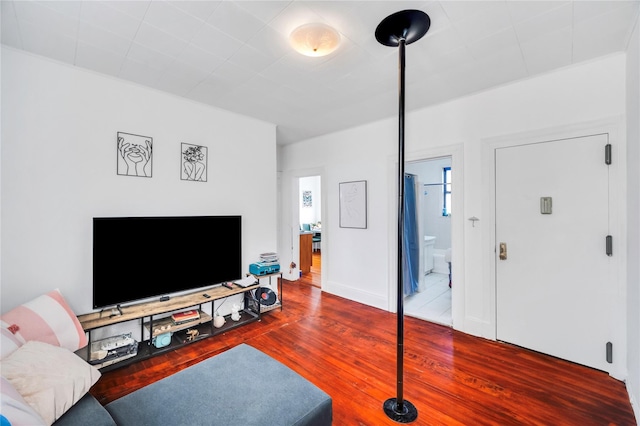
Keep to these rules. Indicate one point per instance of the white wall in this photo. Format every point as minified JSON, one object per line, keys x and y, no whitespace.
{"x":633,"y":214}
{"x":359,"y":263}
{"x":1,"y":127}
{"x":357,"y":257}
{"x":59,"y":127}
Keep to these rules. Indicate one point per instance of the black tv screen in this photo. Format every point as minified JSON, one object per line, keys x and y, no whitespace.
{"x":141,"y":257}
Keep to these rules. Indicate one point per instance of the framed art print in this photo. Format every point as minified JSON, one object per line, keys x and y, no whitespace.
{"x":135,"y":155}
{"x":193,"y":163}
{"x":353,"y":204}
{"x":306,"y":199}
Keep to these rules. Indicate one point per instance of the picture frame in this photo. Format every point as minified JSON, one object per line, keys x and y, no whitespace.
{"x":306,"y":199}
{"x":134,"y":155}
{"x":353,"y":204}
{"x":193,"y":162}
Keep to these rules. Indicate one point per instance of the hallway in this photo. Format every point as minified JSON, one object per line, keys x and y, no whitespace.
{"x":314,"y":276}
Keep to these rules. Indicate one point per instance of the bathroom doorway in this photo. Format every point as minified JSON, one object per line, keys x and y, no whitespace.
{"x":431,"y":300}
{"x":310,"y":217}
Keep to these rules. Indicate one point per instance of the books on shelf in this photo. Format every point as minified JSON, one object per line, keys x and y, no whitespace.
{"x":269,"y":258}
{"x":185,"y":316}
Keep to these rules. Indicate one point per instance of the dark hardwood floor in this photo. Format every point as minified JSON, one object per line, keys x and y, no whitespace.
{"x":349,"y":350}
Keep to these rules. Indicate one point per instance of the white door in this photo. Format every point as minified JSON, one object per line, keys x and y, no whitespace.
{"x":555,"y":287}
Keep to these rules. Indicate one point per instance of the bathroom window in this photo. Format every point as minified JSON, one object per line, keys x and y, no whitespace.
{"x":446,"y":189}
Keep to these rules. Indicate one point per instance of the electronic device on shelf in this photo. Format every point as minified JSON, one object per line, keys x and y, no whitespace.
{"x":113,"y":348}
{"x":159,"y":269}
{"x":113,"y":342}
{"x":186,"y":318}
{"x":263,"y":268}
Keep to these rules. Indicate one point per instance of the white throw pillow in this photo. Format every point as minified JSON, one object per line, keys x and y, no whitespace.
{"x":15,"y":409}
{"x":50,"y":378}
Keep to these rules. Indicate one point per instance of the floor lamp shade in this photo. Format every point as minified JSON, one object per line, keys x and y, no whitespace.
{"x":398,"y":30}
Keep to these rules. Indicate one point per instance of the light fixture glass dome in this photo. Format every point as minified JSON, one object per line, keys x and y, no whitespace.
{"x":315,"y":39}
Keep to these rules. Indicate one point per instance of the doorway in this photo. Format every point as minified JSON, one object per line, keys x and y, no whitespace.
{"x":554,"y":280}
{"x":310,"y":217}
{"x":432,"y":300}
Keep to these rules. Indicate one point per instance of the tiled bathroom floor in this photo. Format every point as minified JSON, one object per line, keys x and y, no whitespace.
{"x":434,"y":303}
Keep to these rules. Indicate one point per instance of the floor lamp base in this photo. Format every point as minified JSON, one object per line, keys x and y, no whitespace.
{"x":407,"y":414}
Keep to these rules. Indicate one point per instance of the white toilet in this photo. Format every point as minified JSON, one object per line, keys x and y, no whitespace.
{"x":429,"y":242}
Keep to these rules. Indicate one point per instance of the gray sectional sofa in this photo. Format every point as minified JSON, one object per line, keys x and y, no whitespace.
{"x":240,"y":387}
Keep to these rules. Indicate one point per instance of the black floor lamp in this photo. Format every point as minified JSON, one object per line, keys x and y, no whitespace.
{"x":398,"y":30}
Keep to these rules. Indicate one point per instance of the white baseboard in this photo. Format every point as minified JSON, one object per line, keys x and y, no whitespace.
{"x":477,"y":327}
{"x":357,"y":295}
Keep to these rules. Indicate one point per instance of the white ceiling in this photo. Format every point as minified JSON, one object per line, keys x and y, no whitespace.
{"x":235,"y":55}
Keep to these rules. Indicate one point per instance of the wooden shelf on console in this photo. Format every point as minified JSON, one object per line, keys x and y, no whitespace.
{"x":264,"y":308}
{"x":164,"y":324}
{"x":104,"y":318}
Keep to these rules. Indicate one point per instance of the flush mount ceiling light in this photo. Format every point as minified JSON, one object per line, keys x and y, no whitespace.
{"x":315,"y":39}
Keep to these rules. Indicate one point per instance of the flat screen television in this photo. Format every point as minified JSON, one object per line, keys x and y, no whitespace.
{"x":136,"y":258}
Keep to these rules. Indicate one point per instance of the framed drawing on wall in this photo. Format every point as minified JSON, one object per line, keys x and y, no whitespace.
{"x":353,"y":204}
{"x":135,"y":155}
{"x":194,"y":162}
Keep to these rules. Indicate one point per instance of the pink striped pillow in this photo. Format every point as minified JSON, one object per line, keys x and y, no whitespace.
{"x":14,"y":408}
{"x":47,"y":318}
{"x":9,"y":342}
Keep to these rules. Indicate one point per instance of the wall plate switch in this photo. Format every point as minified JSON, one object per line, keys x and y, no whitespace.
{"x":545,"y":205}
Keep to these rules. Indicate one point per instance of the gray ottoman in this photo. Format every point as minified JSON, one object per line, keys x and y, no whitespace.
{"x":239,"y":387}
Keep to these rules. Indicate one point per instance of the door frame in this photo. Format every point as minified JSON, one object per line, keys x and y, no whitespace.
{"x":614,"y":129}
{"x":456,"y":152}
{"x":294,"y":225}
